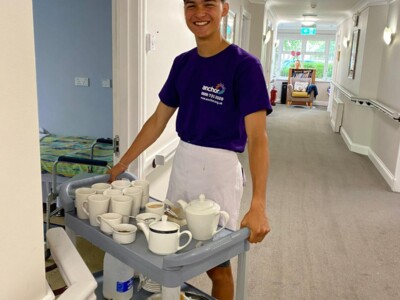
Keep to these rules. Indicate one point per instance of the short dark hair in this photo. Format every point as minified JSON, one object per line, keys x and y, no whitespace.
{"x":223,"y":1}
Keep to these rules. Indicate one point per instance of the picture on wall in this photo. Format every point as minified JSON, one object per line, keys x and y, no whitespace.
{"x":228,"y":26}
{"x":353,"y":53}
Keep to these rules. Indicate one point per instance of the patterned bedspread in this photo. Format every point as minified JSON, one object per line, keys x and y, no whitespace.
{"x":53,"y":146}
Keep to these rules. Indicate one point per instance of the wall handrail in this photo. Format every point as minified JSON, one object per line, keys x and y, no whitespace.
{"x":395,"y":115}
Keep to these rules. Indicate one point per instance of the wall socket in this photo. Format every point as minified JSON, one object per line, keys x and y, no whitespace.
{"x":81,"y":81}
{"x":106,"y":83}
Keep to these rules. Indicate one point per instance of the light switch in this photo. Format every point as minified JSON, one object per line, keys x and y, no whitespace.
{"x":150,"y":42}
{"x":81,"y":81}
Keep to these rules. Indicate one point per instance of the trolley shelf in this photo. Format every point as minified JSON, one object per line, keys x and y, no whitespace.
{"x":171,"y":270}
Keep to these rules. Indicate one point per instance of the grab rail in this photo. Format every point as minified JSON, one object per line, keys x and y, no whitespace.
{"x":370,"y":102}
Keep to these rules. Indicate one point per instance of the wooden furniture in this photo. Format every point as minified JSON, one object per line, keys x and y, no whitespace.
{"x":303,"y":95}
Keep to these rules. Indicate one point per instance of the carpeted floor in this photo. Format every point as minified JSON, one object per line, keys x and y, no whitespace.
{"x":335,"y":223}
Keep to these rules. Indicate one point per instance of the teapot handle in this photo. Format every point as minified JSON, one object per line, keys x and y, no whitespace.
{"x":187,"y":243}
{"x":225,"y":215}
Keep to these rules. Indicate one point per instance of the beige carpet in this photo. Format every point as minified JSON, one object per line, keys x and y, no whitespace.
{"x":335,"y":223}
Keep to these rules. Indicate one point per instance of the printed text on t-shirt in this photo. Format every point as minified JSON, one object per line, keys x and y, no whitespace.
{"x":213,"y":94}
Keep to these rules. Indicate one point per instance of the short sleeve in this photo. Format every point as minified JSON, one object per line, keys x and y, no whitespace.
{"x":169,"y":94}
{"x":251,"y":88}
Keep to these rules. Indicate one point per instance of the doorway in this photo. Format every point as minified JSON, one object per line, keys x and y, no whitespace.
{"x":73,"y":51}
{"x":245,"y":22}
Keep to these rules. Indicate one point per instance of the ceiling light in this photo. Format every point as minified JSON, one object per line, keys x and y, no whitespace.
{"x":307,"y":23}
{"x":387,"y":35}
{"x":308,"y":19}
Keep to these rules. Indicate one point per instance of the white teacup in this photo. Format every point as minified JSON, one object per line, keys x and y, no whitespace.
{"x":136,"y":193}
{"x":122,"y":205}
{"x":120,"y":184}
{"x":155,"y":208}
{"x":95,"y":205}
{"x":81,"y":194}
{"x":100,"y":187}
{"x":107,"y":221}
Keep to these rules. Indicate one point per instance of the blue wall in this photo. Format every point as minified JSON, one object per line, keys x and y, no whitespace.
{"x":73,"y":38}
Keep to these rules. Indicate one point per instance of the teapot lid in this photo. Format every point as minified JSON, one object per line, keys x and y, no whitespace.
{"x":202,"y":205}
{"x":164,"y":226}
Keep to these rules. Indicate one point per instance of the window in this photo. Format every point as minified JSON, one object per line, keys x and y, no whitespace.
{"x":315,"y":52}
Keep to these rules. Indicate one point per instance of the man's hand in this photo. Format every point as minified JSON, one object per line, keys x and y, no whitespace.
{"x":256,"y":220}
{"x":115,"y":171}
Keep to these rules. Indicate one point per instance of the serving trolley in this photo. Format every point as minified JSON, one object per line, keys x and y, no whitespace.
{"x":171,"y":271}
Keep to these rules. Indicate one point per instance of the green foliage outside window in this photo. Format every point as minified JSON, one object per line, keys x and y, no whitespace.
{"x":314,"y":57}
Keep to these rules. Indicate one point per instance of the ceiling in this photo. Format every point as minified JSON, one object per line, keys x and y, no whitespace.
{"x":330,"y":13}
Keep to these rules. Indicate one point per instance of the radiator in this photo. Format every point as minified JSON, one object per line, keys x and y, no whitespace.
{"x":337,"y":114}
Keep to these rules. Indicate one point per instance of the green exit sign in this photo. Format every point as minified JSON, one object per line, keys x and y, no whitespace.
{"x":308,"y":31}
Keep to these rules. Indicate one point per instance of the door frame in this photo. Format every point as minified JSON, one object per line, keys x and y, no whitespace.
{"x":129,"y":73}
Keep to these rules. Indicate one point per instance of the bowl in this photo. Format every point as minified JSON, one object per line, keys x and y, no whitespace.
{"x":124,"y":233}
{"x":147,"y":218}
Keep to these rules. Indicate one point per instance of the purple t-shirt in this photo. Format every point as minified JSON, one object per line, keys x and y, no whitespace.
{"x":214,"y":94}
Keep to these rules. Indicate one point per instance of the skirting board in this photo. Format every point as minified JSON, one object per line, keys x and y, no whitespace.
{"x":353,"y":147}
{"x":385,"y":172}
{"x":378,"y":163}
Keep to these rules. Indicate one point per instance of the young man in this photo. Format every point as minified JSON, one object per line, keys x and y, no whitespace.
{"x":222,"y":99}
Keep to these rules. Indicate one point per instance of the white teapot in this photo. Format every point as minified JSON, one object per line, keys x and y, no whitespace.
{"x":163,"y":236}
{"x":202,"y":217}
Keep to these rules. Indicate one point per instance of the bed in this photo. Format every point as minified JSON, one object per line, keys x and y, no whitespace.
{"x":53,"y":146}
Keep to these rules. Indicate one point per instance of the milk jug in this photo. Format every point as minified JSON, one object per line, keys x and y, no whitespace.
{"x":117,"y":279}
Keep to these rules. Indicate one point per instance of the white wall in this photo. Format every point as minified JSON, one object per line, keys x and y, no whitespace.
{"x":367,"y":130}
{"x":165,"y":21}
{"x":22,"y":274}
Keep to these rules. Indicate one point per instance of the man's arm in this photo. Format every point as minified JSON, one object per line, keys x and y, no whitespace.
{"x":149,"y":133}
{"x":256,"y":218}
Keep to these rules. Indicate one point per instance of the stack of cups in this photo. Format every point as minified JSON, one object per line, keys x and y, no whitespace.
{"x":122,"y":205}
{"x":82,"y":194}
{"x":112,"y":193}
{"x":144,"y":184}
{"x":135,"y":192}
{"x":120,"y":184}
{"x":95,"y":205}
{"x":101,"y":187}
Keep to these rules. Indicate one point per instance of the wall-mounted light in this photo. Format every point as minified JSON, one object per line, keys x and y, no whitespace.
{"x":267,"y":36}
{"x":387,"y":35}
{"x":387,"y":32}
{"x":346,"y":41}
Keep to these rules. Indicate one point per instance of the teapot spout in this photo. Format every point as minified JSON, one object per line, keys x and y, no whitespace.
{"x":145,"y":230}
{"x":182,"y":203}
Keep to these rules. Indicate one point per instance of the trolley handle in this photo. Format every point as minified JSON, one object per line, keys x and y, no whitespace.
{"x":105,"y":141}
{"x":85,"y":161}
{"x":207,"y":250}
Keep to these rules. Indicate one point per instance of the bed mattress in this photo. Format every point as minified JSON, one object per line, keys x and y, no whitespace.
{"x":53,"y":146}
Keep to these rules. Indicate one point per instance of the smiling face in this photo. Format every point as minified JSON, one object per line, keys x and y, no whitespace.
{"x":203,"y":17}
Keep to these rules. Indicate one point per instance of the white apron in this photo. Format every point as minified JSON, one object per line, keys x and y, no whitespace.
{"x":216,"y":173}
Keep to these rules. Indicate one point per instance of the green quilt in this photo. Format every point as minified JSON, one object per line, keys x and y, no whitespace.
{"x":54,"y":146}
